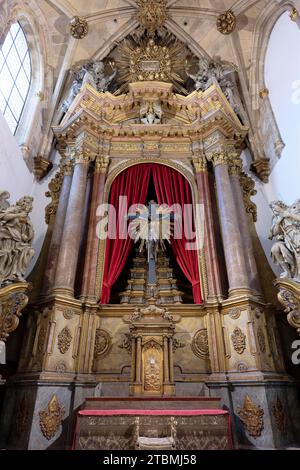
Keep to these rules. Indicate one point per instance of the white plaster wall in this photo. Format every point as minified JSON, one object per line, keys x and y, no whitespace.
{"x":16,"y":178}
{"x":282,"y":78}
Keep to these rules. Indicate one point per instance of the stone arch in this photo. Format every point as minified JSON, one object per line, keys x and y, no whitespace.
{"x":193,"y":185}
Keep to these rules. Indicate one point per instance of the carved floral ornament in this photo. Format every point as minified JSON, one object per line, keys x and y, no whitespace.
{"x":252,"y":417}
{"x":280,"y":416}
{"x":238,"y":340}
{"x":51,"y":418}
{"x":64,"y":340}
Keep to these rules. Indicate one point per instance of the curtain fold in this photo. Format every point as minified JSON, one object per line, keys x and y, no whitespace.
{"x":171,"y":188}
{"x":132,"y":183}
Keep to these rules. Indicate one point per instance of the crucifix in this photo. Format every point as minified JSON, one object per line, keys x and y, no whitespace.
{"x":151,"y":226}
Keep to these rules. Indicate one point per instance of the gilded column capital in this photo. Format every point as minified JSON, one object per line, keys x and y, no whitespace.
{"x":67,"y":167}
{"x":199,"y":162}
{"x":83,"y":157}
{"x":235,"y":167}
{"x":102,"y":163}
{"x":219,"y":158}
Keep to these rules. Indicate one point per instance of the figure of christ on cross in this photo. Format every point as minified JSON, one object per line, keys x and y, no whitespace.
{"x":151,"y":226}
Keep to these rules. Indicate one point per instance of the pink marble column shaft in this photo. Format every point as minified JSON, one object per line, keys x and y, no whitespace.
{"x":53,"y":254}
{"x":232,"y":238}
{"x":252,"y":271}
{"x":88,"y":290}
{"x":70,"y":243}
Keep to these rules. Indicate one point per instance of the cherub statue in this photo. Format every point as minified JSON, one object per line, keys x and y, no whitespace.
{"x":151,"y":113}
{"x":16,"y":235}
{"x":286,"y":230}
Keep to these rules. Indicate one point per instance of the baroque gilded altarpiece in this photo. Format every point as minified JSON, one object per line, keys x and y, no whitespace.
{"x":227,"y":347}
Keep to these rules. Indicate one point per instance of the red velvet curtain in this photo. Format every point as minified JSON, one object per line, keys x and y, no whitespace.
{"x":133,"y":183}
{"x":171,"y":187}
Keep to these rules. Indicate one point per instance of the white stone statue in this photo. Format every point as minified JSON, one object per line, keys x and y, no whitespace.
{"x":216,"y":72}
{"x":286,"y":230}
{"x":16,"y":235}
{"x":91,"y":73}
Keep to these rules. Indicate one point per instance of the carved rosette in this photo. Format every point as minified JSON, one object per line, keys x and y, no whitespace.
{"x":252,"y":416}
{"x":200,"y":345}
{"x":102,"y":343}
{"x":238,"y":340}
{"x":13,"y":300}
{"x":51,"y":418}
{"x":280,"y":416}
{"x":235,"y":313}
{"x":152,"y":14}
{"x":226,"y":22}
{"x":64,"y":340}
{"x":79,"y":27}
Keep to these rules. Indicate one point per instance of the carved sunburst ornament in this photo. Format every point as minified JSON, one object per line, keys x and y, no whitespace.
{"x":152,"y":14}
{"x":148,"y":61}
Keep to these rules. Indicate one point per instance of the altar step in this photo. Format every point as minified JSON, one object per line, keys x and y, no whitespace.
{"x":196,"y":423}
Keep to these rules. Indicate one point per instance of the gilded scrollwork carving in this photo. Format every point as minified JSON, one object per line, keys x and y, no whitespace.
{"x":238,"y":340}
{"x":13,"y":300}
{"x":64,"y":340}
{"x":200,"y":345}
{"x":51,"y":418}
{"x":53,"y":193}
{"x":289,"y":297}
{"x":102,"y":343}
{"x":248,"y":186}
{"x":252,"y":416}
{"x":177,"y":344}
{"x":127,"y":343}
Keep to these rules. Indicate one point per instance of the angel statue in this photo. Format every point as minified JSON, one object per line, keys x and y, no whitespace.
{"x":93,"y":74}
{"x":216,"y":72}
{"x":96,"y":77}
{"x":286,"y":230}
{"x":16,"y":235}
{"x":151,"y":113}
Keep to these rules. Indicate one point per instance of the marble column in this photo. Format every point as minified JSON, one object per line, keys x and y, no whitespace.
{"x":53,"y":254}
{"x":88,"y":290}
{"x":252,"y":271}
{"x":232,"y":238}
{"x":70,"y":243}
{"x":210,"y":245}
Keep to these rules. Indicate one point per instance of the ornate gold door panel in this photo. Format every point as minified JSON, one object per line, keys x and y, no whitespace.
{"x":152,"y":363}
